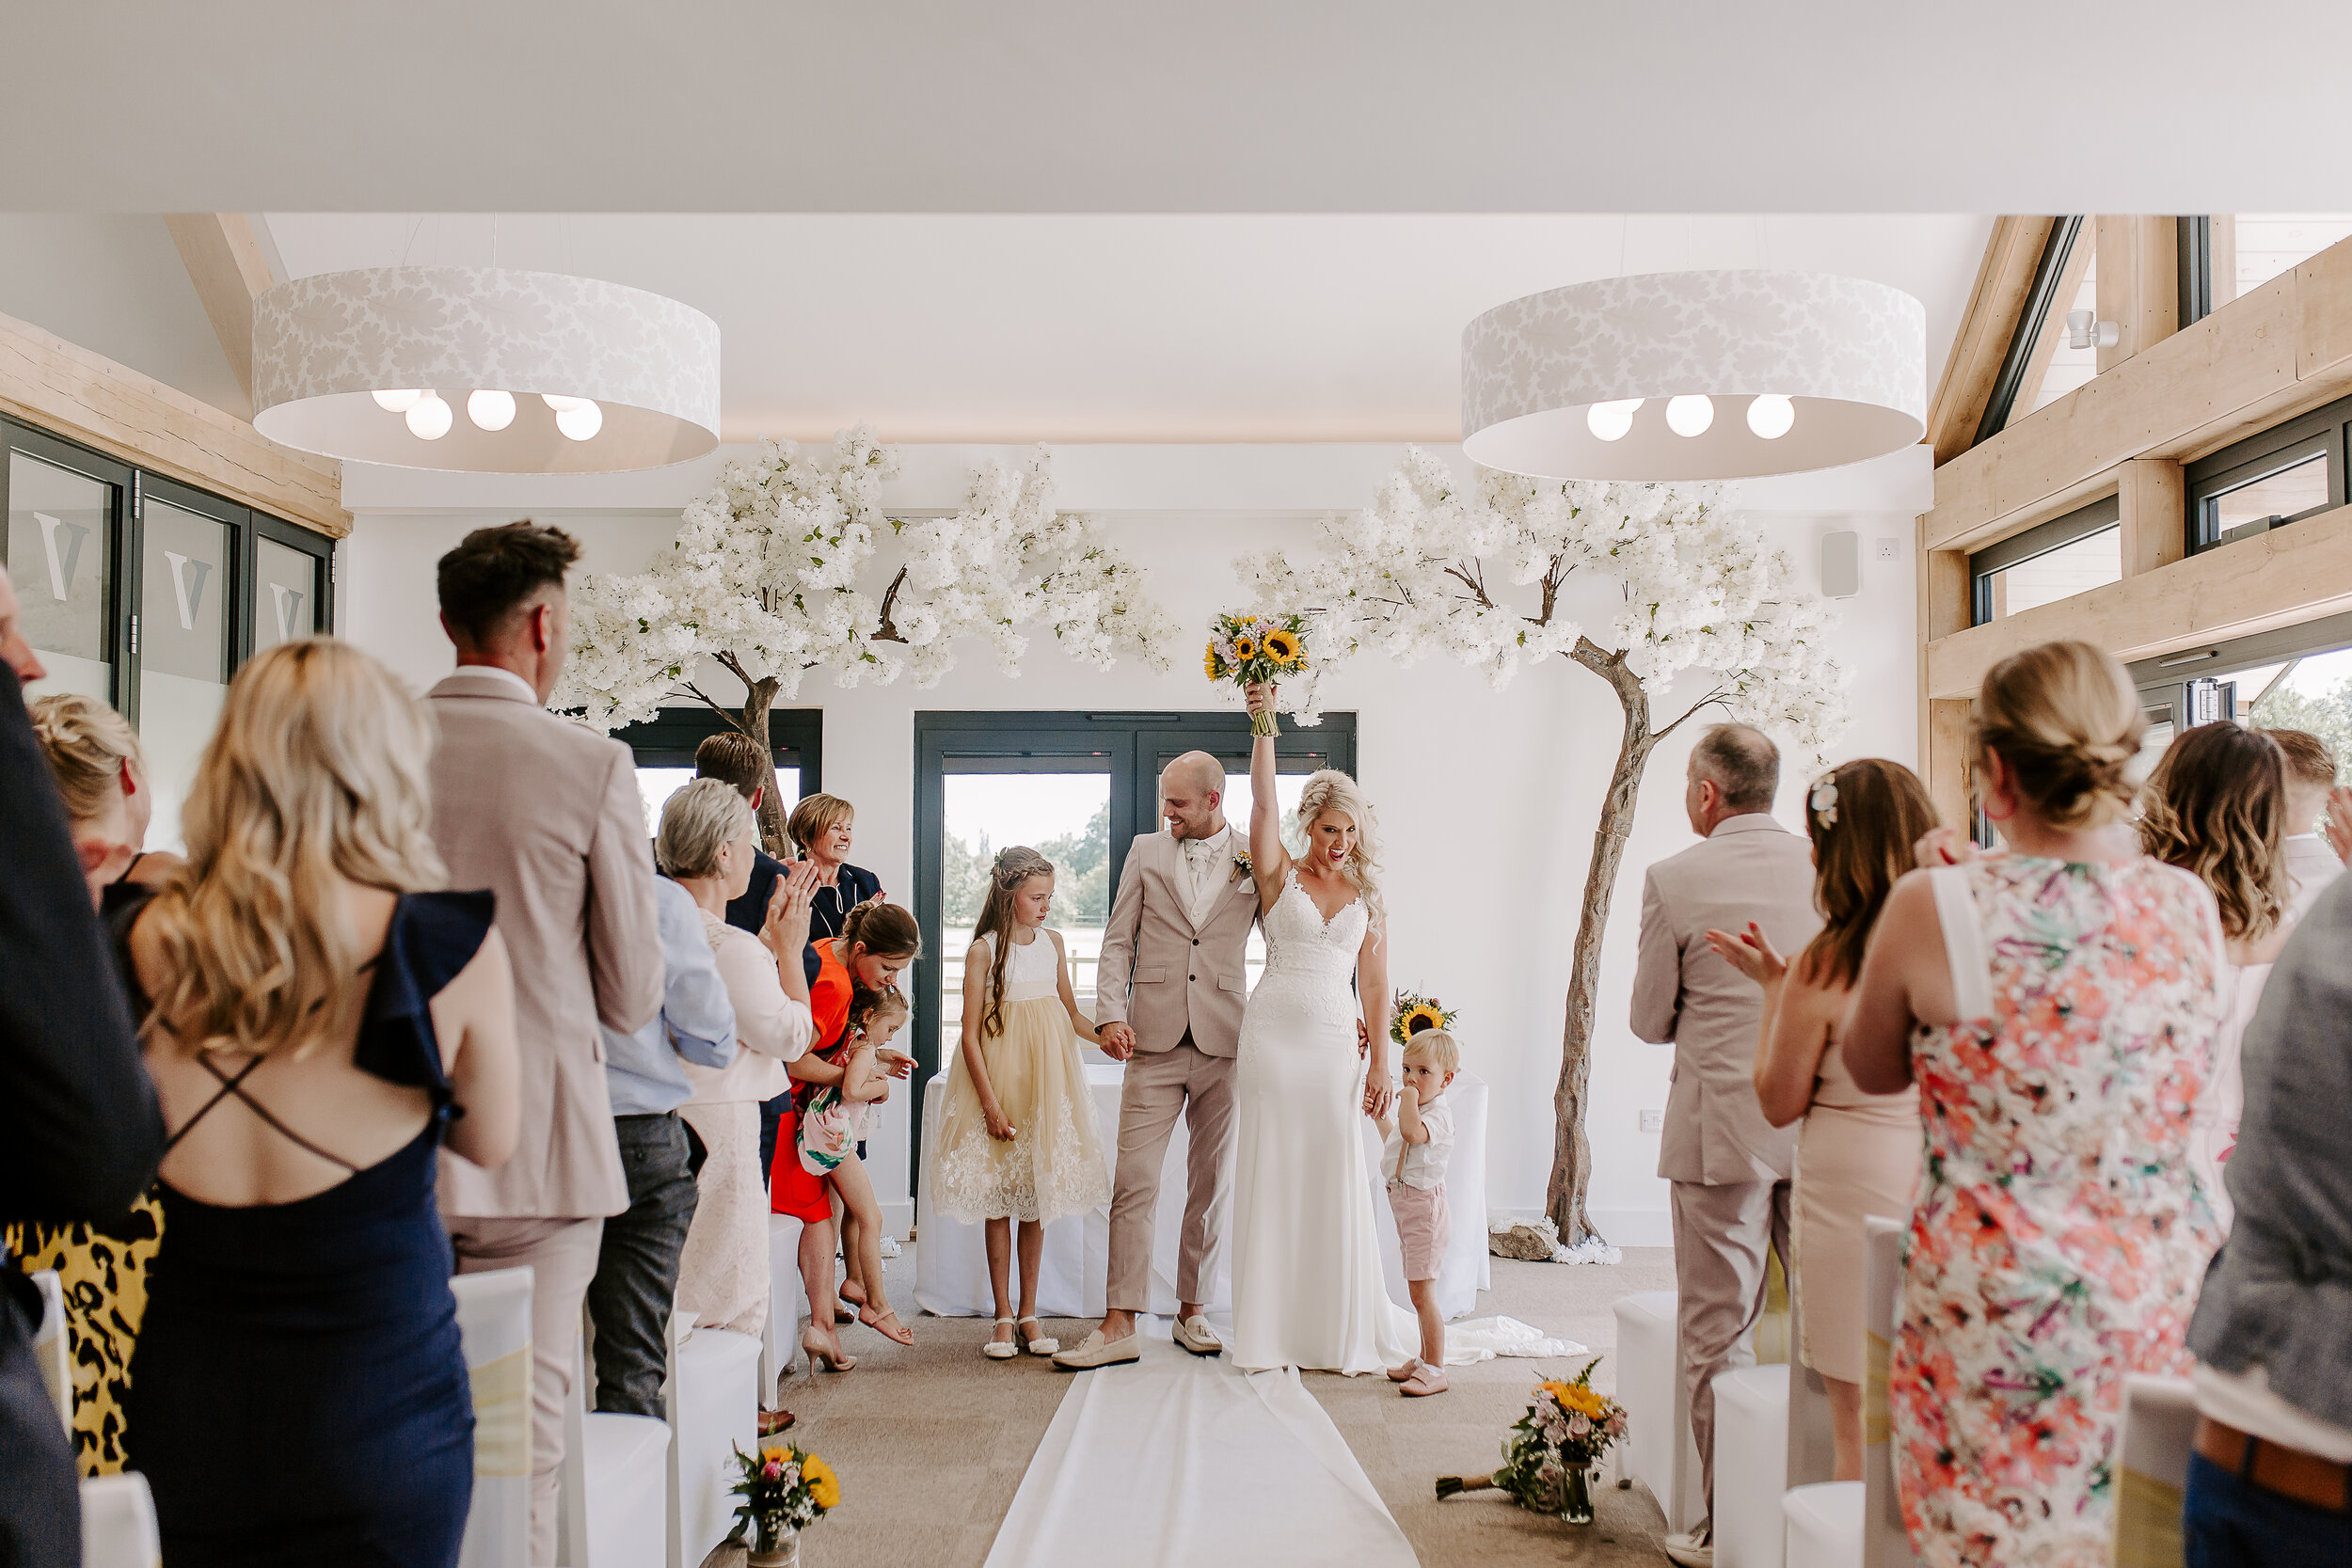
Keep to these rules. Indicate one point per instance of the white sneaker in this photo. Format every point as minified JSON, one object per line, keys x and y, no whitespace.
{"x":1695,"y":1549}
{"x":1095,"y":1350}
{"x":1195,"y":1336}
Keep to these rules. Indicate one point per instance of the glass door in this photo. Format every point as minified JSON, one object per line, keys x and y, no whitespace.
{"x":64,"y":534}
{"x":182,"y":647}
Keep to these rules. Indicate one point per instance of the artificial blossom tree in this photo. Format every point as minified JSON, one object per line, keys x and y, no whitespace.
{"x":1430,"y":568}
{"x":769,"y":579}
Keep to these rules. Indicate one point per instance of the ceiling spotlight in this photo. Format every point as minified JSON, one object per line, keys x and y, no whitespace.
{"x":490,"y":410}
{"x":429,"y":418}
{"x":1689,"y":414}
{"x":1611,"y":421}
{"x":582,"y":421}
{"x":1771,"y":416}
{"x":560,"y":402}
{"x":396,"y":403}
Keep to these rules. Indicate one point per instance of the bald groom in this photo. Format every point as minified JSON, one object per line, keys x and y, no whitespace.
{"x":1169,"y":996}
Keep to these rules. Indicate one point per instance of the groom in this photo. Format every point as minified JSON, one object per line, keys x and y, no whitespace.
{"x":1169,"y":996}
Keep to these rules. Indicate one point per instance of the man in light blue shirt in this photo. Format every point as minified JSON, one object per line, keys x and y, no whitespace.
{"x":637,"y":1268}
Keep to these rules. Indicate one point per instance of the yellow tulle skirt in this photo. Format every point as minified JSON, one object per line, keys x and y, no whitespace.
{"x":1054,"y":1164}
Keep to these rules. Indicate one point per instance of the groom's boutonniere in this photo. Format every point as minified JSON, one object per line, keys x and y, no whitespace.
{"x":1243,"y":866}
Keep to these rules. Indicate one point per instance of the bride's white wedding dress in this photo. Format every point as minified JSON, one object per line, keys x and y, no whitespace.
{"x":1307,"y":1278}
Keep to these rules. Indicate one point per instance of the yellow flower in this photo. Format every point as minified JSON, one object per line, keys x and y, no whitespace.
{"x":1244,"y":648}
{"x":1210,"y":663}
{"x":1282,"y":646}
{"x":823,"y":1485}
{"x":774,"y":1450}
{"x":1414,"y":1014}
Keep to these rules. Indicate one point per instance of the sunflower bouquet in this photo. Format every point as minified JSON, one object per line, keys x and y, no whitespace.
{"x":784,"y":1490}
{"x":1415,"y":1013}
{"x":1548,"y":1452}
{"x":1247,"y":650}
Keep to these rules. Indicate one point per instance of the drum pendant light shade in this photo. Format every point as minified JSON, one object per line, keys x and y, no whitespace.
{"x":1850,"y":355}
{"x":324,"y":346}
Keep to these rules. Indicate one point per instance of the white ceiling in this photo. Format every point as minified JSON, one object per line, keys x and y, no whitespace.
{"x":1169,"y":328}
{"x":1213,"y":105}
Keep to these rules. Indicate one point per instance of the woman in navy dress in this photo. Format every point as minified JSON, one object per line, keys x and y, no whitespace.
{"x":318,"y":1019}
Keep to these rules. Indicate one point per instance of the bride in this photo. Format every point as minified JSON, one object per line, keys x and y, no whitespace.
{"x":1307,"y":1278}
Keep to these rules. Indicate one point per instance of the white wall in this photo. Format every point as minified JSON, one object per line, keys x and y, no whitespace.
{"x":1486,"y":800}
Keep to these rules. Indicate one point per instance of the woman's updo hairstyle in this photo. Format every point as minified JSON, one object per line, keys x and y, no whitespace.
{"x":2066,"y":723}
{"x":86,"y":743}
{"x":884,"y":930}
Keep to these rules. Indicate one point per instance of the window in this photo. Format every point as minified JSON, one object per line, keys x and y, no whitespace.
{"x":2040,"y":366}
{"x":2251,"y":249}
{"x":2053,"y":561}
{"x":2294,"y":679}
{"x":149,"y":593}
{"x":1078,"y":787}
{"x":664,"y":748}
{"x":2280,"y":476}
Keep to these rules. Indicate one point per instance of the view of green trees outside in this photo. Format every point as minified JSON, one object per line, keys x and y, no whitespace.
{"x":1082,"y":875}
{"x":2327,"y":713}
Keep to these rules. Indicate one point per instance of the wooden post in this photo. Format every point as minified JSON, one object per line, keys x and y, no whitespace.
{"x":1947,"y":777}
{"x":2154,"y":496}
{"x":2139,"y":283}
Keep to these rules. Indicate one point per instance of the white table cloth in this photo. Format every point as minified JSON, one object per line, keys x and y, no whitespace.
{"x":951,"y":1260}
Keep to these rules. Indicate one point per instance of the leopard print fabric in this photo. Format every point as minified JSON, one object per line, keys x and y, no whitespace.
{"x":102,"y":1271}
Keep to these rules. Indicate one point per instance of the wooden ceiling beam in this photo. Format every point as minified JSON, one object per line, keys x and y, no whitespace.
{"x":2004,"y":278}
{"x":226,"y":263}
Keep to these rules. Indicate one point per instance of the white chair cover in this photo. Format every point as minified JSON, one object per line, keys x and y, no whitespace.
{"x":615,"y":1485}
{"x":713,"y":1396}
{"x":1823,"y":1525}
{"x":494,"y":1322}
{"x":1751,"y":1465}
{"x":1659,"y":1452}
{"x":1884,"y":1543}
{"x":119,"y":1523}
{"x":780,"y":1342}
{"x":50,"y":1347}
{"x":2152,"y":1470}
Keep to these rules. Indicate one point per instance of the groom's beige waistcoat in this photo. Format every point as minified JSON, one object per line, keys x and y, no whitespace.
{"x":1164,"y":973}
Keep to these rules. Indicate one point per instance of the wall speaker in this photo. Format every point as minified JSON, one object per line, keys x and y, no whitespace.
{"x":1841,"y":565}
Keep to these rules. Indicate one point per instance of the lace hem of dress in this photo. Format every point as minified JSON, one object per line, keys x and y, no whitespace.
{"x":973,"y":1181}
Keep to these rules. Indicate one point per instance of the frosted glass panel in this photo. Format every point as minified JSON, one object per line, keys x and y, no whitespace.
{"x":59,"y":524}
{"x":285,"y":594}
{"x":183,"y":651}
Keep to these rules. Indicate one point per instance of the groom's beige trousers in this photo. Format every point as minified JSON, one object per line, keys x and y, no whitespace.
{"x":1160,"y":1085}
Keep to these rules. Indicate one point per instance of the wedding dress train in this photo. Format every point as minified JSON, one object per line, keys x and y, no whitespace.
{"x":1307,"y":1276}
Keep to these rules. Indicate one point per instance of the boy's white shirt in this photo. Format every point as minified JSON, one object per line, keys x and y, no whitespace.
{"x":1421,"y":1165}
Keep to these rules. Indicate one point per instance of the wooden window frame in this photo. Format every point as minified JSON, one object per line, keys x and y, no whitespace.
{"x":2038,"y":541}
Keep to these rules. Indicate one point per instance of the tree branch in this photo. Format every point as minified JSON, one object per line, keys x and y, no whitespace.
{"x":1718,"y":695}
{"x":888,"y":630}
{"x":1473,"y":584}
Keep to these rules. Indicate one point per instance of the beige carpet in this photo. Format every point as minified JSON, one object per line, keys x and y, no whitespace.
{"x":930,"y":1442}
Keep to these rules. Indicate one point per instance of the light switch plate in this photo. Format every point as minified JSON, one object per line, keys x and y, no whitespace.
{"x":1653,"y":1121}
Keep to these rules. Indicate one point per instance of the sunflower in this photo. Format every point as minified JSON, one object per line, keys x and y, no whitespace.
{"x":824,"y":1488}
{"x":1210,"y":663}
{"x":1280,"y":646}
{"x":1422,"y":1016}
{"x":1244,"y":648}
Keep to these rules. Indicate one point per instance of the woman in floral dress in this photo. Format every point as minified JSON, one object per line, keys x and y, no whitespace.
{"x":2056,"y":1005}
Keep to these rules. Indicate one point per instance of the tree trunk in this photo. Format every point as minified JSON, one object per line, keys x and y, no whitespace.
{"x":758,"y":696}
{"x":1572,"y":1154}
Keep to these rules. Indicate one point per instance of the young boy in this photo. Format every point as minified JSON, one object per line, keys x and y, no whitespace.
{"x":1414,"y":1159}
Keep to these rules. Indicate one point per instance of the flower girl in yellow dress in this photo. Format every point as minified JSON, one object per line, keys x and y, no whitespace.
{"x":1017,"y":1141}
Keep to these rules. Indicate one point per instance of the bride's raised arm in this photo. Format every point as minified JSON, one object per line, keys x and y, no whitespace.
{"x":1269,"y":863}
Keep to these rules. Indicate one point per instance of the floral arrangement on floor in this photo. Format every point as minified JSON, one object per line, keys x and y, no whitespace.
{"x":1548,"y":1452}
{"x":1249,"y":649}
{"x":785,"y":1489}
{"x":1416,"y":1012}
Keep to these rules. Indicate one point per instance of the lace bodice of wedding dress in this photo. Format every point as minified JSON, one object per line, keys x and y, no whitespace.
{"x":1301,"y":945}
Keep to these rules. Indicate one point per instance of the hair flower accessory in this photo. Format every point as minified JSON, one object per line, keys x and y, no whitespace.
{"x":1825,"y":801}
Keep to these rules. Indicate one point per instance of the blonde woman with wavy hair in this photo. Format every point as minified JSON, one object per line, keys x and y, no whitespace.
{"x":318,"y":1019}
{"x":1312,"y":1063}
{"x":2215,"y":805}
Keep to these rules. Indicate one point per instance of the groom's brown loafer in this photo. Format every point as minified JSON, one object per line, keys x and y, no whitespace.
{"x":1095,"y":1350}
{"x":1195,"y":1336}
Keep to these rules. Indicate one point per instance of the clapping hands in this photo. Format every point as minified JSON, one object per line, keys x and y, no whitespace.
{"x":786,"y":929}
{"x":1751,"y":953}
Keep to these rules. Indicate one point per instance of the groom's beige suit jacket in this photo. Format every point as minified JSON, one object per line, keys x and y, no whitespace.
{"x":1166,"y":973}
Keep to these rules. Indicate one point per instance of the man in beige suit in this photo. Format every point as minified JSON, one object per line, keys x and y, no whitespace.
{"x":547,"y":815}
{"x":1169,"y":996}
{"x":1728,"y":1165}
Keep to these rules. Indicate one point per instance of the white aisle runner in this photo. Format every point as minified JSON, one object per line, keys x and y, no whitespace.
{"x":1182,"y":1461}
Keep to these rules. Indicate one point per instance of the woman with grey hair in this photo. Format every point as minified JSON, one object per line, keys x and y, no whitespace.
{"x":708,"y":846}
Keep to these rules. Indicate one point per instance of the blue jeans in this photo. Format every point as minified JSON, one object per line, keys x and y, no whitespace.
{"x":2229,"y":1523}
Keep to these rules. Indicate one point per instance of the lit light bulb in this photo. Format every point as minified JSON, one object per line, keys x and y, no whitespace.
{"x":558,"y":402}
{"x":429,"y":418}
{"x":582,"y":421}
{"x":1771,"y":416}
{"x":490,"y":410}
{"x":1689,"y":414}
{"x":1611,"y":421}
{"x":397,"y":402}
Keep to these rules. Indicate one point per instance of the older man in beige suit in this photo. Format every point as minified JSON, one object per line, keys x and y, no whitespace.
{"x":1168,"y":997}
{"x":1729,"y":1166}
{"x":547,"y":815}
